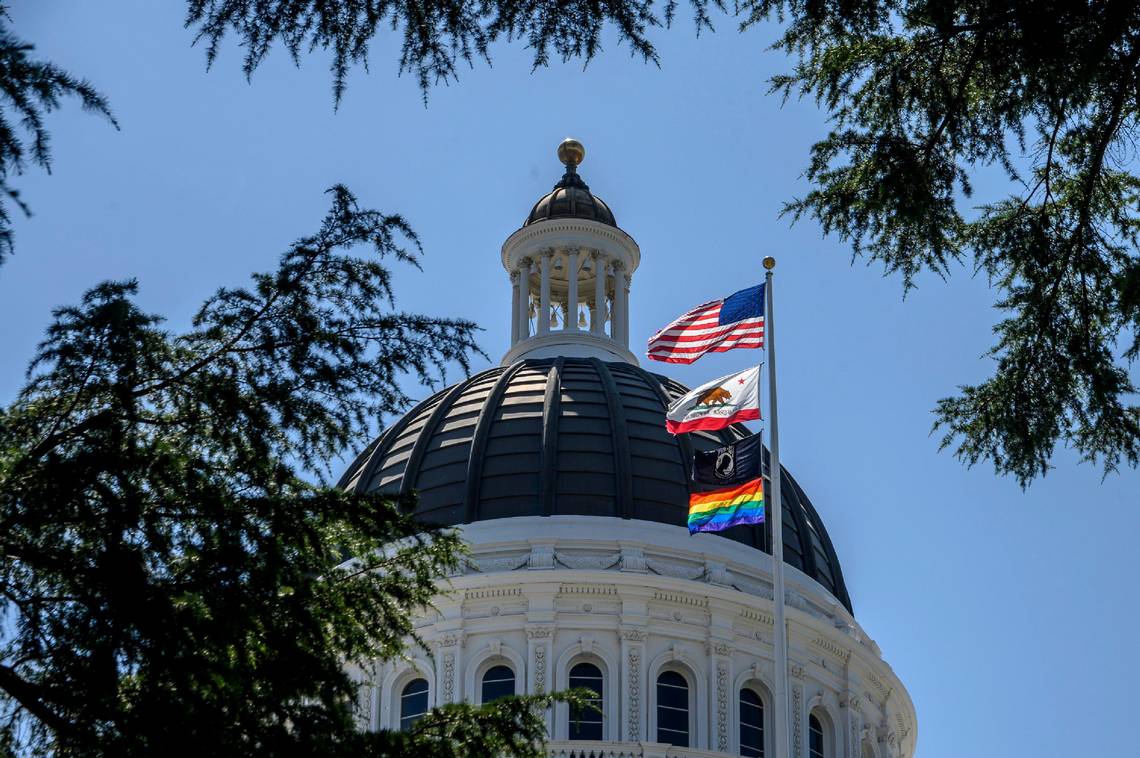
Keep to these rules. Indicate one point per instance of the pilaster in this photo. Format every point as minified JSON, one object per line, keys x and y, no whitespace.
{"x":633,"y":718}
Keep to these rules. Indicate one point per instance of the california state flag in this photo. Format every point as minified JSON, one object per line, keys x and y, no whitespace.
{"x":717,"y":404}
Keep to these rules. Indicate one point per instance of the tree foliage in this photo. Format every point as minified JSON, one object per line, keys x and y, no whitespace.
{"x":171,"y":582}
{"x":29,"y":90}
{"x":437,"y":37}
{"x":924,"y":93}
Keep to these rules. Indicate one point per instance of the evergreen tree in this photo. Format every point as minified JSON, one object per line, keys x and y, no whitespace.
{"x":171,"y":581}
{"x":921,"y":93}
{"x":29,"y":90}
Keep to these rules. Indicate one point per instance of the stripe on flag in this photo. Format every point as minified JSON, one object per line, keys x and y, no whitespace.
{"x":737,"y":321}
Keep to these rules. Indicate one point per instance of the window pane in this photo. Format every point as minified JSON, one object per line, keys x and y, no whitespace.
{"x":815,"y":737}
{"x":751,"y":725}
{"x":586,"y":723}
{"x":673,"y":709}
{"x":499,"y":681}
{"x":413,"y":703}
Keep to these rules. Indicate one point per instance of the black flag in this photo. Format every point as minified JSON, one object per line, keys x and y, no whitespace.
{"x":733,"y":464}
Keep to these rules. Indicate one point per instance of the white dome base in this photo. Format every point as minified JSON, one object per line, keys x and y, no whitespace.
{"x":540,"y":594}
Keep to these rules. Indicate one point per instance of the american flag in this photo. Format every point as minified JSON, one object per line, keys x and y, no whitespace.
{"x":714,"y":327}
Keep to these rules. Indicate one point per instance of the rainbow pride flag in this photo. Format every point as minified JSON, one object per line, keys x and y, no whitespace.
{"x":731,"y":506}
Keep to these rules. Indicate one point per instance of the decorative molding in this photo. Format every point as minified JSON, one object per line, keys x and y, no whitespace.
{"x":365,"y":701}
{"x":720,"y":648}
{"x":796,"y":670}
{"x":539,"y":632}
{"x":634,"y":635}
{"x":675,"y":571}
{"x":587,"y":589}
{"x":758,"y":589}
{"x":448,"y":695}
{"x":680,"y":599}
{"x":451,"y":639}
{"x":595,"y":563}
{"x":485,"y":593}
{"x":634,"y":719}
{"x":883,"y":689}
{"x":797,"y":719}
{"x":717,"y":573}
{"x":838,"y":651}
{"x":539,"y":668}
{"x":509,"y":563}
{"x":541,"y":557}
{"x":762,"y":617}
{"x":633,"y":559}
{"x":722,"y":706}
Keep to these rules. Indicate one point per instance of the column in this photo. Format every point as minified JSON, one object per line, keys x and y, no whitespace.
{"x":620,"y":326}
{"x":598,"y":318}
{"x":544,"y":293}
{"x":624,"y":281}
{"x":515,"y":306}
{"x":524,"y":299}
{"x":572,"y":291}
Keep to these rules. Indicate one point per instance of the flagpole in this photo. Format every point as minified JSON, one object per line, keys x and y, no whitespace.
{"x":781,"y":715}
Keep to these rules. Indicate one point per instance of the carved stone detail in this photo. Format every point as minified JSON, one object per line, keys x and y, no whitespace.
{"x":540,"y":670}
{"x":451,"y":640}
{"x":720,"y":648}
{"x":634,"y":635}
{"x":634,"y":692}
{"x":722,"y":707}
{"x":539,"y":632}
{"x":509,"y":563}
{"x":633,"y":559}
{"x":541,"y":557}
{"x":717,"y":573}
{"x":593,"y":562}
{"x":448,"y":695}
{"x":797,"y":719}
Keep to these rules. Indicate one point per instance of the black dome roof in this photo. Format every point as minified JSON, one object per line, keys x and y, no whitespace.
{"x":567,"y":436}
{"x":571,"y":198}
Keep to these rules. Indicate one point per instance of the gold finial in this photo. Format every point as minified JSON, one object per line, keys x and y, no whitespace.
{"x":571,"y":152}
{"x":769,"y":262}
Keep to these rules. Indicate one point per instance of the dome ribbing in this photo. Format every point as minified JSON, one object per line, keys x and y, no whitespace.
{"x":567,"y":436}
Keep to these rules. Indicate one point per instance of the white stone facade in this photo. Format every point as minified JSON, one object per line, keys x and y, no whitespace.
{"x":634,"y":598}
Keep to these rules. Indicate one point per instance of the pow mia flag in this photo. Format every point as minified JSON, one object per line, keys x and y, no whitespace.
{"x":733,"y":464}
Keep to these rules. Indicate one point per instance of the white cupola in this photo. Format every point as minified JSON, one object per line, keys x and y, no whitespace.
{"x":570,"y":267}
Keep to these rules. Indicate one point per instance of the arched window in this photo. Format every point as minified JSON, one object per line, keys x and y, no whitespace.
{"x":672,"y":709}
{"x":586,"y":723}
{"x":499,"y":681}
{"x":413,"y":703}
{"x":751,"y":724}
{"x":815,"y":737}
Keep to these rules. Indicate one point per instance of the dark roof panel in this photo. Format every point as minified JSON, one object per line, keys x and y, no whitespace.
{"x":568,"y":436}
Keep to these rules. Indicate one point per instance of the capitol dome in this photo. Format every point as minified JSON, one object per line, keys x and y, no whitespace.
{"x":557,"y":470}
{"x":567,"y":436}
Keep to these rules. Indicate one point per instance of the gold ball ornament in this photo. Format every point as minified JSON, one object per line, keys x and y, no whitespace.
{"x":769,"y":262}
{"x":571,"y":152}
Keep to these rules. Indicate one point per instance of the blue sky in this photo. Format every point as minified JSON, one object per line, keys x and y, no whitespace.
{"x":1009,"y":615}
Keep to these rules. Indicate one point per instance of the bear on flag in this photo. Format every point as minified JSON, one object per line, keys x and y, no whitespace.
{"x":717,"y":404}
